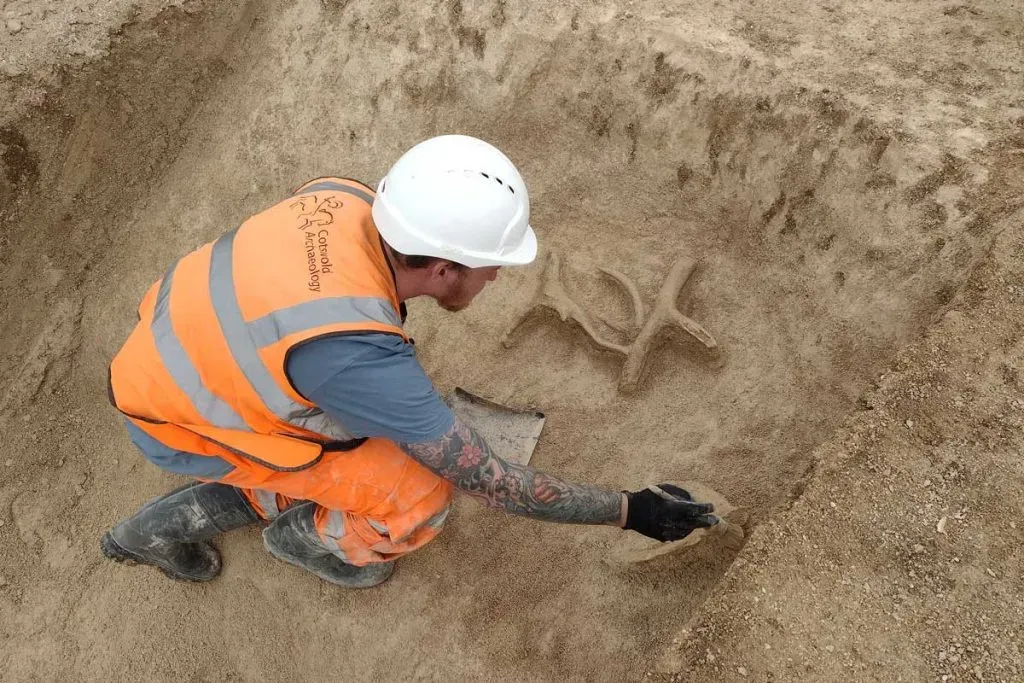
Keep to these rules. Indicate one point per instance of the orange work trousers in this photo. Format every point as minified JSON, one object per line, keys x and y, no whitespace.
{"x":375,"y":503}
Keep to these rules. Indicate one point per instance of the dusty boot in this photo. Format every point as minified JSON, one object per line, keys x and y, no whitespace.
{"x":293,"y":537}
{"x":172,"y":532}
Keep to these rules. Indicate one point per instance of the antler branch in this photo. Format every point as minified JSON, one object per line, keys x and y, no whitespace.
{"x":665,"y":314}
{"x":552,"y":296}
{"x":634,"y":298}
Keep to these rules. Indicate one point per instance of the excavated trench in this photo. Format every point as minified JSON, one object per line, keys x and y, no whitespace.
{"x":823,"y":241}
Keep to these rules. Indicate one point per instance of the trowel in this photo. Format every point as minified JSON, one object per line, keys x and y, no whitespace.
{"x":511,"y":432}
{"x":727,"y":533}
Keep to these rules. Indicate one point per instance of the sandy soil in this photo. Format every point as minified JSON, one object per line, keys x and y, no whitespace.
{"x":847,"y":177}
{"x":903,"y":557}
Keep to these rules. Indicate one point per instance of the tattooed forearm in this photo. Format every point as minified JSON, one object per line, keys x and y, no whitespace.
{"x":462,"y":457}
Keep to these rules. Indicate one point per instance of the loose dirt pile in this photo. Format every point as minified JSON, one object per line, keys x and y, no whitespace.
{"x":836,"y":177}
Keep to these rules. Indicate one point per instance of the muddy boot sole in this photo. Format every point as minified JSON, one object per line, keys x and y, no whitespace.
{"x":114,"y":551}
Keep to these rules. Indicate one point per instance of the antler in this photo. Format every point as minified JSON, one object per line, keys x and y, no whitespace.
{"x":551,"y":295}
{"x":665,"y":314}
{"x":634,"y":297}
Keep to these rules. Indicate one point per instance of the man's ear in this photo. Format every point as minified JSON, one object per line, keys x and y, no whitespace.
{"x":440,"y":269}
{"x":446,"y":269}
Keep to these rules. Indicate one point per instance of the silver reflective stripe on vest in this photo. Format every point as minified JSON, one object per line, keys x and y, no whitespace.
{"x":229,"y":315}
{"x":180,"y":366}
{"x":244,"y":339}
{"x":338,"y":187}
{"x":268,"y":501}
{"x":277,"y":325}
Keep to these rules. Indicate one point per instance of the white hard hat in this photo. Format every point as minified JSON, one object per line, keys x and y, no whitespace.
{"x":456,"y":198}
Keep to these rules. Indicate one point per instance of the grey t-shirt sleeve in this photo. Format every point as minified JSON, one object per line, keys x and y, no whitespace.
{"x":373,"y":385}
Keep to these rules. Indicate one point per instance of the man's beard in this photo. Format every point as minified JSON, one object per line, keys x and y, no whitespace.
{"x":453,"y":306}
{"x":457,"y":299}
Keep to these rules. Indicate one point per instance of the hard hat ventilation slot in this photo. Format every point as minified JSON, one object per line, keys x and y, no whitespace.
{"x":499,"y":181}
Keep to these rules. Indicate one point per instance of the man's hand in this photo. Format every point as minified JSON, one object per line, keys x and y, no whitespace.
{"x":462,"y":457}
{"x":667,"y":513}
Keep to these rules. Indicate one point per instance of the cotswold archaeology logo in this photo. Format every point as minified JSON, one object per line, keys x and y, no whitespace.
{"x":318,"y":259}
{"x":314,"y":216}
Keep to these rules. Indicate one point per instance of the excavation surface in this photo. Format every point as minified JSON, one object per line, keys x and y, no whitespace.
{"x":824,"y":183}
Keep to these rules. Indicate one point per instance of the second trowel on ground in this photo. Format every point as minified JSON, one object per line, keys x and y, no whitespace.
{"x":511,"y":432}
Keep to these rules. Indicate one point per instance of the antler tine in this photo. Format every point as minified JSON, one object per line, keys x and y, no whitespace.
{"x":634,"y":298}
{"x":694,"y":329}
{"x":677,"y":277}
{"x":579,"y":318}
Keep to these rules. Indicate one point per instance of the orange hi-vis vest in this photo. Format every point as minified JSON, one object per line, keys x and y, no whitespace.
{"x":204,"y":370}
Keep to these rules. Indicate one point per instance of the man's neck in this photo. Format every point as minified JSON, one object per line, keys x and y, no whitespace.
{"x":407,"y":284}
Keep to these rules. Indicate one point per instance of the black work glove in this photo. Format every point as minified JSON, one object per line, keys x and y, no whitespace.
{"x":666,"y":517}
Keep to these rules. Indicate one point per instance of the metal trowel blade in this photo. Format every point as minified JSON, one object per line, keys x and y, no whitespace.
{"x":511,"y":432}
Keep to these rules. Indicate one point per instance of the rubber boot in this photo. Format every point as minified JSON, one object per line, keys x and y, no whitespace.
{"x":293,"y":537}
{"x":172,"y":532}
